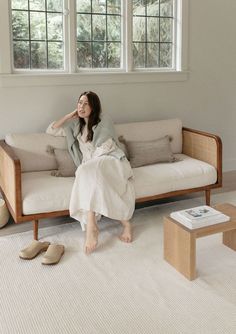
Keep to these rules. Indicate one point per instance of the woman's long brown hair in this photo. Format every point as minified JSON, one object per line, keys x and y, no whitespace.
{"x":94,"y":118}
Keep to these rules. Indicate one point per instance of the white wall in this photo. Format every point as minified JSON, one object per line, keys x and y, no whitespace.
{"x":206,"y":100}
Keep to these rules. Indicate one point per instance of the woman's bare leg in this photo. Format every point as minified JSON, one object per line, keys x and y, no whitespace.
{"x":91,"y":233}
{"x":126,"y":235}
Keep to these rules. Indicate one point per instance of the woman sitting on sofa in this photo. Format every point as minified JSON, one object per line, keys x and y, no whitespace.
{"x":103,"y":180}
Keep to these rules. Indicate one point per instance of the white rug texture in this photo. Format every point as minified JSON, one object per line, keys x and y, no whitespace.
{"x":121,"y":288}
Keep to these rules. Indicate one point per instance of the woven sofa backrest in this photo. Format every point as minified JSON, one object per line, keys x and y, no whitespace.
{"x":143,"y":131}
{"x":31,"y":149}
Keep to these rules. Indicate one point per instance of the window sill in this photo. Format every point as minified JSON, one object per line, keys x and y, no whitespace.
{"x":65,"y":79}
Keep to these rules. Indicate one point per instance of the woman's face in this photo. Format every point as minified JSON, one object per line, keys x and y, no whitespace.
{"x":83,"y":107}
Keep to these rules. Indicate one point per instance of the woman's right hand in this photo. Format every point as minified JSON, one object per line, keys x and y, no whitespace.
{"x":72,"y":115}
{"x":67,"y":117}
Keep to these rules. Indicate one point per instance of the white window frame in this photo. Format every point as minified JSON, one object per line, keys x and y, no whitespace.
{"x":70,"y":75}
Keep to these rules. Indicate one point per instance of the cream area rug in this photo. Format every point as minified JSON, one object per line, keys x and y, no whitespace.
{"x":121,"y":288}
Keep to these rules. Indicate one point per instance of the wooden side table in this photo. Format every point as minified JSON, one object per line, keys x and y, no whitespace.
{"x":180,"y":242}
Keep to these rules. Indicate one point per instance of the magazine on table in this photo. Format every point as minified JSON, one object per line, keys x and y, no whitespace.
{"x":199,"y":216}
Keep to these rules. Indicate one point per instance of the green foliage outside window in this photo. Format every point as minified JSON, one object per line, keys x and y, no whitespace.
{"x":98,"y":33}
{"x":37,"y":30}
{"x":152,"y":33}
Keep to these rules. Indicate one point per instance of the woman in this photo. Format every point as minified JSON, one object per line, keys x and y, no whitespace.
{"x":104,"y":179}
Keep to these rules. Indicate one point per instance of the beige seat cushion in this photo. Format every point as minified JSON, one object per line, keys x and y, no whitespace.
{"x":186,"y":173}
{"x":42,"y":192}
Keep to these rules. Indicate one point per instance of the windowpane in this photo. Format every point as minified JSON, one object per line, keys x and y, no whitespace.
{"x":55,"y":55}
{"x":165,"y":55}
{"x":139,"y":54}
{"x":153,"y":8}
{"x":152,"y":29}
{"x":98,"y":6}
{"x":113,"y":28}
{"x":37,"y":4}
{"x":38,"y":55}
{"x":20,"y":25}
{"x":84,"y":54}
{"x":55,"y":26}
{"x":84,"y":27}
{"x":21,"y":54}
{"x":99,"y":27}
{"x":166,"y":30}
{"x":55,"y":5}
{"x":113,"y":55}
{"x":19,"y":4}
{"x":37,"y":26}
{"x":139,"y":7}
{"x":99,"y":55}
{"x":83,"y":6}
{"x":113,"y":6}
{"x":166,"y":8}
{"x":139,"y":29}
{"x":153,"y":55}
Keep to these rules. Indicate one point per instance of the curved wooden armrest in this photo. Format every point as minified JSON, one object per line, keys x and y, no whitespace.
{"x":204,"y":146}
{"x":10,"y":179}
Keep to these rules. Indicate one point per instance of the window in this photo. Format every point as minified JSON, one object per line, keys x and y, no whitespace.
{"x":98,"y":33}
{"x":153,"y":32}
{"x":110,"y":35}
{"x":37,"y":34}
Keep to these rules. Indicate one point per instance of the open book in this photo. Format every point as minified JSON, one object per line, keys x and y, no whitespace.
{"x":199,"y":216}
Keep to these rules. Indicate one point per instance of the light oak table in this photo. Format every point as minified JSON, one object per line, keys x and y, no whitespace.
{"x":180,"y":242}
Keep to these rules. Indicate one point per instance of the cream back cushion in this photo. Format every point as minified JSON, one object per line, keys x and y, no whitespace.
{"x":31,"y":149}
{"x":152,"y":130}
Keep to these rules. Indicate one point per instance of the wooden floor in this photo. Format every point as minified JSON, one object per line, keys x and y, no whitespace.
{"x":229,"y":184}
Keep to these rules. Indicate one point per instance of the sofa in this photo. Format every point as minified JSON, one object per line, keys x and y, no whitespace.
{"x":32,"y":192}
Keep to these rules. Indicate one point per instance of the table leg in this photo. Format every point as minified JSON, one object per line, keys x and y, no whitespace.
{"x":180,"y":248}
{"x":229,"y":239}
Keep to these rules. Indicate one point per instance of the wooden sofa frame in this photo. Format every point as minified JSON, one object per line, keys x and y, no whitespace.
{"x":196,"y":144}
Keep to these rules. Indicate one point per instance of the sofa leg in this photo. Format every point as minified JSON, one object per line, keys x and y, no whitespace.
{"x":208,"y":197}
{"x":36,"y":227}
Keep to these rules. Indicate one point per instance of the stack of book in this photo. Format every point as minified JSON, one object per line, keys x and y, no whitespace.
{"x":199,"y":216}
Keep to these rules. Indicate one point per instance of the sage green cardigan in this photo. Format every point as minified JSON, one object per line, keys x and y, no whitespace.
{"x":103,"y":131}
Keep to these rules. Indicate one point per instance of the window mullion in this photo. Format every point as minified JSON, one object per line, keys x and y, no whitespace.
{"x":181,"y":49}
{"x":46,"y":22}
{"x":127,"y":35}
{"x":5,"y":46}
{"x":70,"y":39}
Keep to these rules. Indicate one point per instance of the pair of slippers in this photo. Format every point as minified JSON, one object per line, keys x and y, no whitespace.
{"x":53,"y":253}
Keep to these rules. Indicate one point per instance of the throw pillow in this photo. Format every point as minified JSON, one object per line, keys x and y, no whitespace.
{"x":65,"y":164}
{"x":142,"y":153}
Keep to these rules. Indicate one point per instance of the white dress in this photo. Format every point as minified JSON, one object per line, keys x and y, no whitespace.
{"x":103,"y":184}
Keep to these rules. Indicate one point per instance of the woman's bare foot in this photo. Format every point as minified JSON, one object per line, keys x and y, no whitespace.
{"x":91,"y":240}
{"x":126,"y":235}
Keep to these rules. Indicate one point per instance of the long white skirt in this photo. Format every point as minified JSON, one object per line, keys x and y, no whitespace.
{"x":105,"y":186}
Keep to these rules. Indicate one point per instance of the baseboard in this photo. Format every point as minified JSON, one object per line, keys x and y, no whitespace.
{"x":229,"y":165}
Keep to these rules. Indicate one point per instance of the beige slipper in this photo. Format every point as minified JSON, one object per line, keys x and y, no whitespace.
{"x":33,"y":249}
{"x":53,"y":254}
